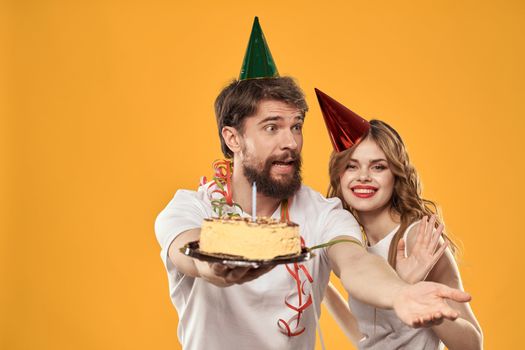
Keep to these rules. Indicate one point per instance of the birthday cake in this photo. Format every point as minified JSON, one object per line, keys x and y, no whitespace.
{"x":263,"y":239}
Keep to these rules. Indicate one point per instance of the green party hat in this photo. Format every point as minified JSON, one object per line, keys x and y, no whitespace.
{"x":258,"y":61}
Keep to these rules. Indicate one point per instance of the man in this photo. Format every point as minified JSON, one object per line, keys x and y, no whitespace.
{"x":260,"y":124}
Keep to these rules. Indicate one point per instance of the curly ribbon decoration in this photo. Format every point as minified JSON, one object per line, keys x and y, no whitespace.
{"x":223,"y":176}
{"x":285,"y":326}
{"x":222,"y":179}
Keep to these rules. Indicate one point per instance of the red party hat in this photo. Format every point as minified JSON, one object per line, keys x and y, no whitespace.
{"x":344,"y":126}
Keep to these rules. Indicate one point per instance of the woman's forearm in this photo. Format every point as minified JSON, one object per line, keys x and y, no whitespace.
{"x":459,"y":335}
{"x":338,"y":308}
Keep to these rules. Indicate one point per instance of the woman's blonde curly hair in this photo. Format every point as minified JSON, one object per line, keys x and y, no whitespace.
{"x":406,"y":200}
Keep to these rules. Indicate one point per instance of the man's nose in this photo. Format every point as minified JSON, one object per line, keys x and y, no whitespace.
{"x":288,"y":140}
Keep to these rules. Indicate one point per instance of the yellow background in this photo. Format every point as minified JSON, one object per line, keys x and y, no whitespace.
{"x":106,"y":110}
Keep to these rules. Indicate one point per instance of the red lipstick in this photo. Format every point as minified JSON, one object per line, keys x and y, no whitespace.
{"x":363,"y":191}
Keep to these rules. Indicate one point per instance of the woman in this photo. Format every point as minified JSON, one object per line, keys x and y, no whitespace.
{"x":371,"y":173}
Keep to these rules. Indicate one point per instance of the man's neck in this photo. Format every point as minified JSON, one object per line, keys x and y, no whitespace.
{"x":242,"y":195}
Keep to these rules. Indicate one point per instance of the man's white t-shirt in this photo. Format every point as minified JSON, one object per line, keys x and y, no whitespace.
{"x":246,"y":316}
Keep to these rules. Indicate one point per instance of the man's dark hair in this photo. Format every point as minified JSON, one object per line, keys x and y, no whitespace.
{"x":239,"y":100}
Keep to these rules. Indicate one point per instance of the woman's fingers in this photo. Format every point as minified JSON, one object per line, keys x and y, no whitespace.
{"x":429,"y":230}
{"x":435,"y":237}
{"x":400,"y":250}
{"x":420,"y":234}
{"x":439,"y":253}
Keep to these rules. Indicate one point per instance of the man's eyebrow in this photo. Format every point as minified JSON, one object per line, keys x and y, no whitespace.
{"x":279,"y":118}
{"x":270,"y":119}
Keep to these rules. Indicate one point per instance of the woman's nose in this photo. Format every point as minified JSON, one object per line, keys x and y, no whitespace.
{"x":364,"y":175}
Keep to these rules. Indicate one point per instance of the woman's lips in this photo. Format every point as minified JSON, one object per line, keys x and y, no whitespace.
{"x":364,"y":191}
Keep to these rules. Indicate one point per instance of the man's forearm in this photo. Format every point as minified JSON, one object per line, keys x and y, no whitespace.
{"x":183,"y":263}
{"x":365,"y":276}
{"x":369,"y":279}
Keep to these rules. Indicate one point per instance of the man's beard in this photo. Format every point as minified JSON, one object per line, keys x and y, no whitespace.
{"x":280,"y":189}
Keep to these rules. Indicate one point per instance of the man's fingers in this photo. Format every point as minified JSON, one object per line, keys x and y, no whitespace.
{"x":224,"y":276}
{"x":450,"y":313}
{"x":219,"y":269}
{"x":427,"y":321}
{"x":437,"y":318}
{"x":416,"y":323}
{"x":260,"y":271}
{"x":454,"y":294}
{"x":236,"y":274}
{"x":432,"y":322}
{"x":217,"y":280}
{"x":252,"y":274}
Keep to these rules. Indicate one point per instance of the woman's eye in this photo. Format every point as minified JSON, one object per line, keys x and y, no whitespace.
{"x":379,"y":167}
{"x":351,"y":167}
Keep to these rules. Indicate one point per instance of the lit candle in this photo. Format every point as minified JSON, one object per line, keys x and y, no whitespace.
{"x":254,"y":201}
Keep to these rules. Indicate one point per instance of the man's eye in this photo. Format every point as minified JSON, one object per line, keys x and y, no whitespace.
{"x":298,"y":127}
{"x":270,"y":128}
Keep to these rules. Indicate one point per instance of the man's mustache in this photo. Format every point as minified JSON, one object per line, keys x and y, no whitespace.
{"x":289,"y":156}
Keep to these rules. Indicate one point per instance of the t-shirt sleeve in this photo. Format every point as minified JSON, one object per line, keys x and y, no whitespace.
{"x":335,"y":221}
{"x":184,"y":212}
{"x":339,"y":222}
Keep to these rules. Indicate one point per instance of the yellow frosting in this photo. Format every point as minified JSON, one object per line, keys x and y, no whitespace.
{"x":261,"y":240}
